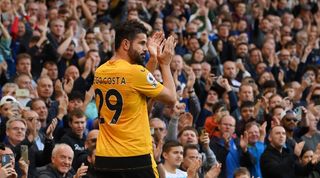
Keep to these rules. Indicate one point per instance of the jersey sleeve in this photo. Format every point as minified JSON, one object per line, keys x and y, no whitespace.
{"x":145,"y":83}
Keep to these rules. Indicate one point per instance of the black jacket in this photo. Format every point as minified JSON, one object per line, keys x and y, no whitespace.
{"x":49,"y":171}
{"x":282,"y":165}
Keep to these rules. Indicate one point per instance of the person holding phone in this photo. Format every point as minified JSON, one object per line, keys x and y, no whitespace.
{"x":7,"y":163}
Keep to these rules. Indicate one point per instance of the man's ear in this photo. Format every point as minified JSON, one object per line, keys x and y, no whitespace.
{"x":126,"y":44}
{"x":165,"y":155}
{"x":269,"y":137}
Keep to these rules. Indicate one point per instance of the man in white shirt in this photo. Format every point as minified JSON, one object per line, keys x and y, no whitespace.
{"x":173,"y":157}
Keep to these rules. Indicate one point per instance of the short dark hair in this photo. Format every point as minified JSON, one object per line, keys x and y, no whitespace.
{"x":216,"y":106}
{"x":169,"y":144}
{"x":77,"y":112}
{"x":74,"y":95}
{"x":189,"y":147}
{"x":128,"y":30}
{"x":246,"y":104}
{"x":50,"y":63}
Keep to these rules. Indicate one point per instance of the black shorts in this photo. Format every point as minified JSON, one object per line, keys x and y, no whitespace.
{"x":136,"y":173}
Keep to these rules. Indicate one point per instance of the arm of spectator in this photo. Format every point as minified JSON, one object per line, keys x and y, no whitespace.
{"x":194,"y":106}
{"x":73,"y":4}
{"x":86,"y":12}
{"x":232,"y":96}
{"x":302,"y":64}
{"x":304,"y":84}
{"x":82,"y":171}
{"x":214,"y":172}
{"x":85,"y":48}
{"x":178,"y":109}
{"x":4,"y":31}
{"x":209,"y":154}
{"x":194,"y":103}
{"x":24,"y":167}
{"x":157,"y":151}
{"x":143,"y":10}
{"x":68,"y":85}
{"x":87,"y":67}
{"x":33,"y":133}
{"x":88,"y":97}
{"x":43,"y":36}
{"x":65,"y":44}
{"x":62,"y":108}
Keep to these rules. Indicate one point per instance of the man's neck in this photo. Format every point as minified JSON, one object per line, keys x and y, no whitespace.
{"x":13,"y":143}
{"x":277,"y":148}
{"x":208,"y":107}
{"x":120,"y":55}
{"x":289,"y":134}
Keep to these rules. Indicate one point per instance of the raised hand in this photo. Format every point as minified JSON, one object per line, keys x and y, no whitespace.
{"x":51,"y":128}
{"x":244,"y":141}
{"x":68,"y":85}
{"x":157,"y":151}
{"x":214,"y":171}
{"x":263,"y":131}
{"x":179,"y":109}
{"x":62,"y":109}
{"x":191,"y":77}
{"x":225,"y":84}
{"x":8,"y":171}
{"x":82,"y":171}
{"x":298,"y":148}
{"x":205,"y":140}
{"x":194,"y":167}
{"x":24,"y":166}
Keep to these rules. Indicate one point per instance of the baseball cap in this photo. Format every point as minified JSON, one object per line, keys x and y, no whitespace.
{"x":8,"y":99}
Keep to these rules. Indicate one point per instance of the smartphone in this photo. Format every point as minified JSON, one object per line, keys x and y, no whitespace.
{"x":24,"y":152}
{"x":298,"y":111}
{"x":5,"y":159}
{"x":22,"y":93}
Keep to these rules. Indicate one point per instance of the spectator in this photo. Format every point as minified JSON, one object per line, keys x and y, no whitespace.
{"x":61,"y":160}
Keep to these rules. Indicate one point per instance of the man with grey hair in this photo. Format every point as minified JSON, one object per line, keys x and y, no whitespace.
{"x":61,"y":164}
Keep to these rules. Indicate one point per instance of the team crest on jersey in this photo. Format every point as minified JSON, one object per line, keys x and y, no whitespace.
{"x":152,"y":80}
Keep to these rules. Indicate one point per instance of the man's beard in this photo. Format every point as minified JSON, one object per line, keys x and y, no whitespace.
{"x":135,"y":56}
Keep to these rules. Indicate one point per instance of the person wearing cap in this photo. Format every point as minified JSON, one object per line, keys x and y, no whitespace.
{"x":294,"y":131}
{"x":9,"y":107}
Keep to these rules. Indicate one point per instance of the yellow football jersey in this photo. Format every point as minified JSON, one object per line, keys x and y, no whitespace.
{"x":121,"y":89}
